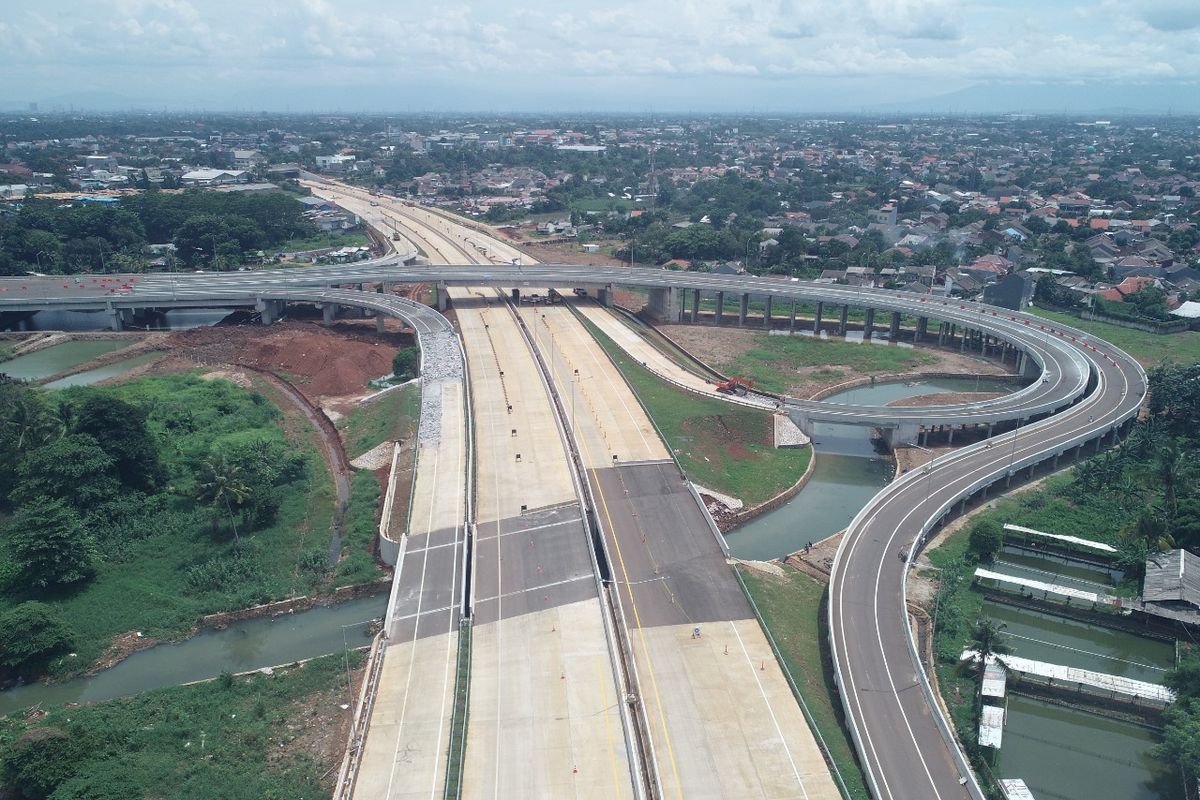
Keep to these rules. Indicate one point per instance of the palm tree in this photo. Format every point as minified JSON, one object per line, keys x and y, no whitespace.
{"x":986,"y":640}
{"x":31,"y":423}
{"x":1171,"y":470}
{"x":222,"y":484}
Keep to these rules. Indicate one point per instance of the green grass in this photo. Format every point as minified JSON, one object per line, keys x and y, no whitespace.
{"x":225,"y":738}
{"x":793,"y":609}
{"x":392,"y":417}
{"x":358,"y":564}
{"x":773,"y":360}
{"x":1148,"y":348}
{"x":322,"y":241}
{"x":722,"y":446}
{"x":146,"y":581}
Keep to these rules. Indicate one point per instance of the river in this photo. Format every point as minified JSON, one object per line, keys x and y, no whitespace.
{"x":242,"y":646}
{"x":848,"y":474}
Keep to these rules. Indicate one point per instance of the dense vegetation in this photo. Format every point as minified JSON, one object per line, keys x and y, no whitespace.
{"x":211,"y":229}
{"x":1141,"y":497}
{"x":141,"y":507}
{"x":232,"y":738}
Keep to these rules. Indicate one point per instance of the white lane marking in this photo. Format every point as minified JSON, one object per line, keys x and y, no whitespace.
{"x":539,"y":588}
{"x":770,"y":709}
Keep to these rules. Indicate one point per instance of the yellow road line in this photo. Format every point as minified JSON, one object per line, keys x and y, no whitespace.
{"x":612,"y":751}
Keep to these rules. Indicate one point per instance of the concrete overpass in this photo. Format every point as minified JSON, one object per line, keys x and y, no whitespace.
{"x":1034,"y":346}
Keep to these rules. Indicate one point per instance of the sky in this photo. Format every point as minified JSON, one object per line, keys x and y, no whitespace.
{"x":613,"y":55}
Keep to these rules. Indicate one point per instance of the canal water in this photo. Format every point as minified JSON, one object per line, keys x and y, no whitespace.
{"x":848,"y":474}
{"x":50,"y":360}
{"x":1064,"y":754}
{"x":88,"y":377}
{"x":77,"y":321}
{"x":242,"y":646}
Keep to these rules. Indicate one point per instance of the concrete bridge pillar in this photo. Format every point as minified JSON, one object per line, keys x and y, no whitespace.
{"x":329,"y":312}
{"x":695,"y":305}
{"x":895,"y":331}
{"x":868,"y":324}
{"x":767,"y":313}
{"x":380,"y":321}
{"x":720,"y":307}
{"x":443,"y":297}
{"x":792,"y":318}
{"x":941,"y":334}
{"x":1020,"y":361}
{"x":118,"y":318}
{"x":922,"y":328}
{"x":817,"y":319}
{"x":662,"y":305}
{"x":604,"y":296}
{"x":743,"y":309}
{"x":842,"y":321}
{"x":950,"y":434}
{"x":269,"y":310}
{"x":962,"y":346}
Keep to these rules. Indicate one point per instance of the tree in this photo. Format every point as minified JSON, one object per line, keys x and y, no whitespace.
{"x":221,"y":486}
{"x":120,"y":429}
{"x":987,"y":640}
{"x":49,"y":544}
{"x":986,"y":539}
{"x":74,"y":469}
{"x":406,"y":362}
{"x":30,"y":636}
{"x":41,"y":760}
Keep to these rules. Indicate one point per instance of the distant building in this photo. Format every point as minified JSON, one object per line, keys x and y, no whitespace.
{"x":213,"y":177}
{"x":885,"y":215}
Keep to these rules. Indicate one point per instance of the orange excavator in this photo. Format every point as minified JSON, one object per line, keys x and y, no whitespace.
{"x":738,"y":386}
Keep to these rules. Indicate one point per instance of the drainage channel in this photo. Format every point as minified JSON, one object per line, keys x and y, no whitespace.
{"x":636,"y":727}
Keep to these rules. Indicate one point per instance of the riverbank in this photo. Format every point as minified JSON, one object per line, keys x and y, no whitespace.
{"x":276,"y":734}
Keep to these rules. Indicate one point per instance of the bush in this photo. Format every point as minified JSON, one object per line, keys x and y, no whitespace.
{"x":30,"y":635}
{"x":987,"y":537}
{"x":406,"y":362}
{"x":41,"y":760}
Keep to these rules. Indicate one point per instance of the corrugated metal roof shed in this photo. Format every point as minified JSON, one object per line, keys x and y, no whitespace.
{"x":1172,"y":576}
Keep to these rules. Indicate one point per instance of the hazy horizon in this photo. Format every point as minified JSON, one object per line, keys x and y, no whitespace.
{"x":785,"y":56}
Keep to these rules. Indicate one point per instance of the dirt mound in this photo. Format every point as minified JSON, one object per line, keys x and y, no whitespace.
{"x":319,"y":361}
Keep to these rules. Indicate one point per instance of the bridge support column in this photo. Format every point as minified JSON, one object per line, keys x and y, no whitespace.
{"x":443,"y":299}
{"x":743,"y":309}
{"x":767,"y":313}
{"x":895,"y":331}
{"x":868,"y":324}
{"x":695,"y":305}
{"x":117,"y":318}
{"x":269,"y":310}
{"x":662,"y":305}
{"x":1054,"y":465}
{"x":604,"y":296}
{"x":922,"y":328}
{"x":817,"y":319}
{"x":720,"y":307}
{"x":950,"y":434}
{"x":792,"y":318}
{"x":380,"y":321}
{"x":842,"y":321}
{"x":329,"y":312}
{"x":962,"y":346}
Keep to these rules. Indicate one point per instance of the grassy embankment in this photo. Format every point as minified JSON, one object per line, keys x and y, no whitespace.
{"x":258,"y":736}
{"x":1148,"y":348}
{"x":793,"y":609}
{"x":322,"y":241}
{"x":175,"y":560}
{"x":392,"y":417}
{"x":725,"y":447}
{"x":774,"y":359}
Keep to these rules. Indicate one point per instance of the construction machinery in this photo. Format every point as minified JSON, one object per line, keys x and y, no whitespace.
{"x":738,"y":386}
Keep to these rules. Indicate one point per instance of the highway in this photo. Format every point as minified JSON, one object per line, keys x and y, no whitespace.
{"x":545,"y":719}
{"x":1091,"y":389}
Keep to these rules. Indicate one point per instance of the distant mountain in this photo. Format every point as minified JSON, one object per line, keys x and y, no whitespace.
{"x":1099,"y":98}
